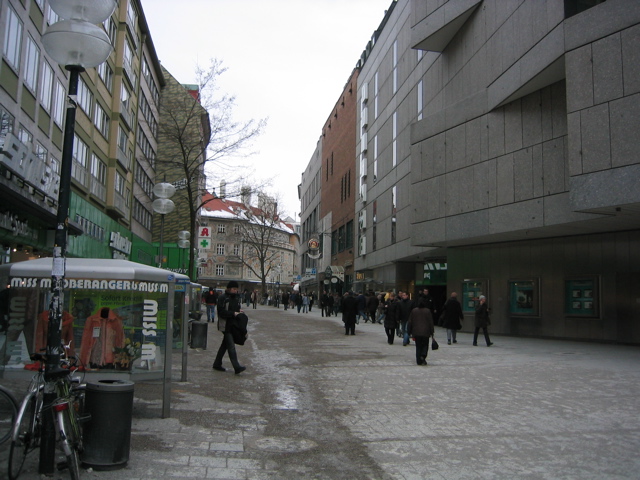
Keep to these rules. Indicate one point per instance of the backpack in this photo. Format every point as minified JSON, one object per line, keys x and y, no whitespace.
{"x":239,"y":329}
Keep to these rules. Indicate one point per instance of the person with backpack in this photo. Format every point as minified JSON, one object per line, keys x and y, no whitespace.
{"x":231,"y":320}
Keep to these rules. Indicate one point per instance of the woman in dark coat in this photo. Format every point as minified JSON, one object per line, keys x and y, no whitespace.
{"x":482,"y":321}
{"x":452,"y":316}
{"x":391,"y":318}
{"x":420,"y":327}
{"x":349,"y":313}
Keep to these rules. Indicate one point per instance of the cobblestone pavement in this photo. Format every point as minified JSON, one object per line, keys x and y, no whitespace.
{"x":316,"y":404}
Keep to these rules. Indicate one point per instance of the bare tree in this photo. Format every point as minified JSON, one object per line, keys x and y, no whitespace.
{"x":197,"y":128}
{"x":265,"y":238}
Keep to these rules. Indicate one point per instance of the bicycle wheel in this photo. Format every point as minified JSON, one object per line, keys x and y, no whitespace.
{"x":25,"y":436}
{"x":8,"y":413}
{"x":69,"y":438}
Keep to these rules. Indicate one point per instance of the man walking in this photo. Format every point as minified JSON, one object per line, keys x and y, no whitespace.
{"x":229,"y":307}
{"x":211,"y":300}
{"x":406,"y":305}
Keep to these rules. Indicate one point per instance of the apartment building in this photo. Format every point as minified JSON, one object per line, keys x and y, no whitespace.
{"x":504,"y":161}
{"x":184,"y":134}
{"x":236,"y":239}
{"x":114,"y":145}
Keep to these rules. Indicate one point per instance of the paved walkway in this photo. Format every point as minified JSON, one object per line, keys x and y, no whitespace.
{"x":316,"y":404}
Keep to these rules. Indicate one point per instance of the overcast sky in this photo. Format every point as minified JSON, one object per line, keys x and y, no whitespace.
{"x":287,"y":60}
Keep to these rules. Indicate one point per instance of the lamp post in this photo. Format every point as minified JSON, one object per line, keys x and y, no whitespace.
{"x":163,"y":205}
{"x":77,"y":43}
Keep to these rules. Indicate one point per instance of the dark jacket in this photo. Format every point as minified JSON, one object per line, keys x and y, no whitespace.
{"x":482,"y":316}
{"x":228,"y":305}
{"x":349,"y":310}
{"x":420,"y":322}
{"x":405,"y":309}
{"x":372,"y":304}
{"x":361,"y":302}
{"x":391,"y":319}
{"x":452,"y":313}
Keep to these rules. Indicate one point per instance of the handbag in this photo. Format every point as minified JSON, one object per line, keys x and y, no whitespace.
{"x":434,"y":344}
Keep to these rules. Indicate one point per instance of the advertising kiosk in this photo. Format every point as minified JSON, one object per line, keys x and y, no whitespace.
{"x":120,"y":318}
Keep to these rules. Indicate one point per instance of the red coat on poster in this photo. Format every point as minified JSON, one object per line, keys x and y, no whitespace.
{"x":103,"y":331}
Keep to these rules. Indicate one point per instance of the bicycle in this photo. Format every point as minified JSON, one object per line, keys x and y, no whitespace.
{"x":66,"y":411}
{"x":8,"y":412}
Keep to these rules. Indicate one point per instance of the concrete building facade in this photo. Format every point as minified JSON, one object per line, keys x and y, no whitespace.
{"x":314,"y":249}
{"x":114,"y":145}
{"x":508,"y":129}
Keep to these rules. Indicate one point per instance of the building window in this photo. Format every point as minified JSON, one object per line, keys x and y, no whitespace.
{"x":32,"y":61}
{"x":220,"y":270}
{"x":98,"y":178}
{"x":220,"y":249}
{"x":144,"y":181}
{"x":341,"y":239}
{"x":395,"y":66}
{"x":98,"y":170}
{"x":112,"y":29}
{"x":141,"y":214}
{"x":222,"y":228}
{"x":349,"y":235}
{"x":59,"y":103}
{"x":394,"y":144}
{"x":334,"y":242}
{"x":46,"y":87}
{"x":13,"y":39}
{"x":80,"y":160}
{"x":25,"y":136}
{"x":394,"y":211}
{"x":41,"y":152}
{"x":236,"y":229}
{"x":375,"y":95}
{"x":236,"y":249}
{"x":375,"y":159}
{"x":374,"y":226}
{"x":101,"y":120}
{"x":52,"y":17}
{"x":420,"y":97}
{"x":7,"y":122}
{"x":106,"y":75}
{"x":85,"y":97}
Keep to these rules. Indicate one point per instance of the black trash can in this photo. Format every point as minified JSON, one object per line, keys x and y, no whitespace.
{"x":198,"y":335}
{"x":107,"y":435}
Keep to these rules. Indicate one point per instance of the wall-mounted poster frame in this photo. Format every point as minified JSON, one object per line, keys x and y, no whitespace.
{"x":524,"y":297}
{"x":582,"y":296}
{"x":472,"y":288}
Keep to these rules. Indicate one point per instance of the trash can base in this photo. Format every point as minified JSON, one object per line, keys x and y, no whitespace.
{"x":103,"y":468}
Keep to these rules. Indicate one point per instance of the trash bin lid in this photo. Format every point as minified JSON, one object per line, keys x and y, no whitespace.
{"x":109,"y":386}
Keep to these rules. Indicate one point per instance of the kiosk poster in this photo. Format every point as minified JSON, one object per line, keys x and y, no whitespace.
{"x":116,"y":325}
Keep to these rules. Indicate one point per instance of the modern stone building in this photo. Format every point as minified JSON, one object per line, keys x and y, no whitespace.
{"x":503,"y":159}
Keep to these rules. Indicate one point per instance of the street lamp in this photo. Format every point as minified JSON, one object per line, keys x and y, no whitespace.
{"x":163,"y":205}
{"x":77,"y":43}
